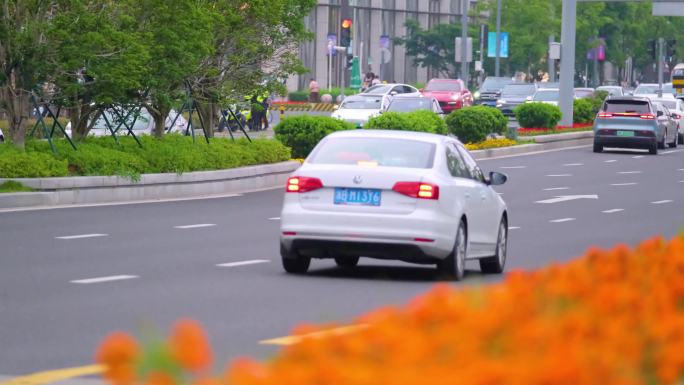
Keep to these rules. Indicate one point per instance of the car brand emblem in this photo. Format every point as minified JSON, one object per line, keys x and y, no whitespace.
{"x":358,"y":179}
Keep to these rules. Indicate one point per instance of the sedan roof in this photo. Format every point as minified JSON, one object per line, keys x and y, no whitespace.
{"x":395,"y":134}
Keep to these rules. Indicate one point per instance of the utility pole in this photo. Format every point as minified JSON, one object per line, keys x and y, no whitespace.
{"x":552,"y":62}
{"x":661,"y":43}
{"x":567,"y":73}
{"x":464,"y":41}
{"x":497,"y":62}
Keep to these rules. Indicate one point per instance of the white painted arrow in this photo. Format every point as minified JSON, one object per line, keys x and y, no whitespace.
{"x":565,"y":198}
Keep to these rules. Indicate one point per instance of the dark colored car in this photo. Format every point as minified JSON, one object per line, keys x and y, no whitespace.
{"x":514,"y":95}
{"x":490,"y":91}
{"x":633,"y":122}
{"x":451,"y":94}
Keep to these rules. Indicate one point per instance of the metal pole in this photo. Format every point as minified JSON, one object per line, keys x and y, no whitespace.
{"x":552,"y":62}
{"x":464,"y":42}
{"x":330,"y":56}
{"x":661,"y":42}
{"x":497,"y":63}
{"x":567,"y":73}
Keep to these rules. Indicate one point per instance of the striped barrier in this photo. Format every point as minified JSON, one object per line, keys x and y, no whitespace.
{"x":321,"y":107}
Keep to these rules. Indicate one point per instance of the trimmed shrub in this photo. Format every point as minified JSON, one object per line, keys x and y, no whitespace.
{"x":422,"y":121}
{"x":298,"y":96}
{"x":538,"y":115}
{"x":582,"y":111}
{"x":19,"y":164}
{"x":473,"y":124}
{"x":597,"y":100}
{"x":302,"y":133}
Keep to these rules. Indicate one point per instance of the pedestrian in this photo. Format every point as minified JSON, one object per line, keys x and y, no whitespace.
{"x":375,"y":81}
{"x":313,"y":91}
{"x":367,"y":80}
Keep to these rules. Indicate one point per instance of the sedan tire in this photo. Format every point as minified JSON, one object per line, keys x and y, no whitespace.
{"x":598,"y":147}
{"x":496,"y":263}
{"x":653,"y":150}
{"x":674,"y":142}
{"x":661,"y":144}
{"x":294,"y":263}
{"x":454,"y":264}
{"x":347,"y":262}
{"x":680,"y":138}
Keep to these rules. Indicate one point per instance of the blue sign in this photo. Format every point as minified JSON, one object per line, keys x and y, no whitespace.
{"x":332,"y":42}
{"x":491,"y":45}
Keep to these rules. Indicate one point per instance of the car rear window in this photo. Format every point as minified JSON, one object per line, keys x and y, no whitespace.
{"x":519,"y":89}
{"x":626,"y":106}
{"x":409,"y":105}
{"x":362,"y":103}
{"x":386,"y":152}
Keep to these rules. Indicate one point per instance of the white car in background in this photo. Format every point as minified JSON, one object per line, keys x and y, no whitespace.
{"x":676,"y":108}
{"x":650,"y":90}
{"x":387,"y":91}
{"x":143,"y":124}
{"x":401,"y":195}
{"x":2,"y":136}
{"x":546,"y":95}
{"x":358,"y":109}
{"x":612,"y":90}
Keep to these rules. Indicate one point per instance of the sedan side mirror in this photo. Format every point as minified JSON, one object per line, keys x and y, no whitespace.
{"x":659,"y":113}
{"x":496,"y":178}
{"x":393,"y":93}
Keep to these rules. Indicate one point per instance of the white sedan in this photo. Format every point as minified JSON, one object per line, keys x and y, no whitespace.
{"x":388,"y":91}
{"x":402,"y":195}
{"x":358,"y":109}
{"x":676,"y":107}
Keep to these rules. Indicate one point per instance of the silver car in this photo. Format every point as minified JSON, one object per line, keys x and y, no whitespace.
{"x":676,"y":108}
{"x":409,"y":196}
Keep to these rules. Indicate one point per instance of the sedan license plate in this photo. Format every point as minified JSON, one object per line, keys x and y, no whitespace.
{"x":357,"y":196}
{"x":625,"y":133}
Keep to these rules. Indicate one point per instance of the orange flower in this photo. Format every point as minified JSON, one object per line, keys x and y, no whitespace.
{"x":160,"y":378}
{"x":189,"y":345}
{"x":118,"y":353}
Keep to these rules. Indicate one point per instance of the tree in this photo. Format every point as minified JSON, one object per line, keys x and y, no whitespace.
{"x":432,"y":48}
{"x":24,"y":57}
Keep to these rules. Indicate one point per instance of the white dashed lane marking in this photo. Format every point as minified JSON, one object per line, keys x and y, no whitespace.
{"x":612,"y":211}
{"x":624,"y":184}
{"x":573,"y":164}
{"x":274,"y":219}
{"x":104,"y":279}
{"x":662,"y":202}
{"x":243,"y":263}
{"x":513,"y":227}
{"x":629,"y":172}
{"x":556,"y":188}
{"x":610,"y":161}
{"x":561,"y":220}
{"x":194,"y":226}
{"x":559,"y":175}
{"x":512,"y":167}
{"x":637,"y":157}
{"x":81,"y":236}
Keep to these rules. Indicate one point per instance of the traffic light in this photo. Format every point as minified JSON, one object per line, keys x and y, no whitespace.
{"x":350,"y":61}
{"x":345,"y":34}
{"x":653,"y":49}
{"x":670,"y":48}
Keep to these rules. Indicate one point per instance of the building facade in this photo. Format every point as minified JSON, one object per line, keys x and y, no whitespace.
{"x":375,"y":24}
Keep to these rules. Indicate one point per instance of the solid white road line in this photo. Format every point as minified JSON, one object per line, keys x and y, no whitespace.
{"x":513,"y":227}
{"x":195,"y":226}
{"x":104,"y":279}
{"x":681,"y":181}
{"x":573,"y":164}
{"x":661,"y":202}
{"x":81,"y":236}
{"x":629,"y":172}
{"x":681,"y":169}
{"x":274,"y":219}
{"x":556,"y":188}
{"x":624,"y":184}
{"x":512,"y":167}
{"x":560,"y":175}
{"x":243,"y":263}
{"x":610,"y":161}
{"x":637,"y":157}
{"x":670,"y":152}
{"x":562,"y":220}
{"x":612,"y":211}
{"x":565,"y":198}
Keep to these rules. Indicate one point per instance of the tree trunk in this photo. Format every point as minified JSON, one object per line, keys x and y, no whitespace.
{"x":208,"y":112}
{"x":159,"y":115}
{"x":16,"y":102}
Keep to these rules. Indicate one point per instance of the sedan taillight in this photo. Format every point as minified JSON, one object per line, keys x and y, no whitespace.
{"x":301,"y":184}
{"x":605,"y":115}
{"x":417,"y":190}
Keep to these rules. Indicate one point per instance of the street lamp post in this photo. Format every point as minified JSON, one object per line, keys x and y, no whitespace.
{"x":498,"y":39}
{"x":567,"y":72}
{"x":464,"y":42}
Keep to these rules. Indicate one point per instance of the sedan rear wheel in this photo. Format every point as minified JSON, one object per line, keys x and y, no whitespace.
{"x":347,"y":262}
{"x":680,"y":138}
{"x":454,"y":264}
{"x":496,"y":263}
{"x":661,"y":144}
{"x":653,"y":150}
{"x":674,"y":141}
{"x":598,"y":147}
{"x":293,"y":262}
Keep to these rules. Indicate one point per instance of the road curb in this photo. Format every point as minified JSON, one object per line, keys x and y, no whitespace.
{"x":150,"y":187}
{"x":560,"y":142}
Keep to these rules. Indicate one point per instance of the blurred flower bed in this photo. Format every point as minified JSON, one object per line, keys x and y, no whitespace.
{"x":609,"y":317}
{"x":490,"y":143}
{"x":558,"y":130}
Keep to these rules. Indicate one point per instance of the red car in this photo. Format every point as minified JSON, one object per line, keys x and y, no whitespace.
{"x":451,"y":94}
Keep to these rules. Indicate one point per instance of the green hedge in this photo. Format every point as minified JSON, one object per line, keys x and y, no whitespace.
{"x":102,"y":156}
{"x":302,"y":133}
{"x":582,"y":111}
{"x":597,"y":100}
{"x":298,"y":96}
{"x":473,"y":124}
{"x":538,"y":115}
{"x":423,"y":121}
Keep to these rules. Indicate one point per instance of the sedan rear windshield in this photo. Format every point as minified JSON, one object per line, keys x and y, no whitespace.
{"x":519,"y":89}
{"x":443,"y":86}
{"x":361,"y":103}
{"x":410,"y":105}
{"x":626,"y":106}
{"x":384,"y":152}
{"x":546,"y":96}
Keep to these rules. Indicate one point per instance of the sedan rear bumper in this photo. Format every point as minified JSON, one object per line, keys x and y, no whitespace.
{"x":642,"y":142}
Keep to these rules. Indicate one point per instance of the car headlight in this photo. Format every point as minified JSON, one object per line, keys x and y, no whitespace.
{"x":476,"y":95}
{"x":455,"y":97}
{"x":500,"y":102}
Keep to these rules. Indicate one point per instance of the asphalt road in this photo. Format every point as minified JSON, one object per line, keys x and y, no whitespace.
{"x":53,"y":314}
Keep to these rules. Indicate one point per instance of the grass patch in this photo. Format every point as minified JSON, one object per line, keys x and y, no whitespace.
{"x":13,"y":186}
